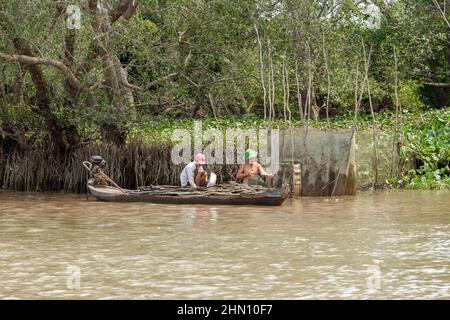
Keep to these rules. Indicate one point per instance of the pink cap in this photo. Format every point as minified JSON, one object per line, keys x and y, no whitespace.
{"x":200,"y":159}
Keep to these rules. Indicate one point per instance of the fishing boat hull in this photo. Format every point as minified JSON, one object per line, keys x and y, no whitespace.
{"x":271,"y":197}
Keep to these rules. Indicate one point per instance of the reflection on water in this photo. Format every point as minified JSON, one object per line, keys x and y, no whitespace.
{"x":392,"y":244}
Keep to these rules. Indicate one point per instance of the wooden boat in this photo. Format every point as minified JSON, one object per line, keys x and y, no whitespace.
{"x":228,"y":194}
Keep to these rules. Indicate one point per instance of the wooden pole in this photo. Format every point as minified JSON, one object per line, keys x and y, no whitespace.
{"x":299,"y":95}
{"x":288,"y":108}
{"x":261,"y":67}
{"x":273,"y":85}
{"x":270,"y":79}
{"x":374,"y":134}
{"x":395,"y":151}
{"x":283,"y":85}
{"x":308,"y":97}
{"x":325,"y":59}
{"x":356,"y":95}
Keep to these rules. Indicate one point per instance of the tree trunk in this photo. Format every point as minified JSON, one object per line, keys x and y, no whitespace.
{"x":112,"y":132}
{"x":64,"y":137}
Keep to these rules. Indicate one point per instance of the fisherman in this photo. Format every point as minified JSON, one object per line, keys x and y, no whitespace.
{"x":98,"y":164}
{"x":251,"y":172}
{"x":195,"y":175}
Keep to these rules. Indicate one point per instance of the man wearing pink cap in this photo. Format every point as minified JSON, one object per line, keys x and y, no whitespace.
{"x":187,"y":176}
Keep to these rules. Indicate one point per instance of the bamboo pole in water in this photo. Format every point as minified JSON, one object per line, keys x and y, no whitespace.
{"x":374,"y":135}
{"x":299,"y":95}
{"x":269,"y":51}
{"x":356,"y":95}
{"x":283,"y":85}
{"x":288,"y":108}
{"x":273,"y":82}
{"x":395,"y":149}
{"x":327,"y":68}
{"x":308,"y":97}
{"x":261,"y":66}
{"x":286,"y":91}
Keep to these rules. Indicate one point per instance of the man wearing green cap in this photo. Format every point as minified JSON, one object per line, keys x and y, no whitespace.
{"x":251,"y":172}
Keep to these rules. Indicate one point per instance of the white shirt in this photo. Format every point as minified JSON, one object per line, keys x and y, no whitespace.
{"x":187,"y":175}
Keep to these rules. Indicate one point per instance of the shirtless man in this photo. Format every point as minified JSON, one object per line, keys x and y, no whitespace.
{"x":251,"y":171}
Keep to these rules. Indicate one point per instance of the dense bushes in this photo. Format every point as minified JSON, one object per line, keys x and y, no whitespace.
{"x":427,"y":147}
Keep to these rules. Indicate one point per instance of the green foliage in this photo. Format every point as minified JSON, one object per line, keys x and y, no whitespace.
{"x":409,"y":95}
{"x":427,"y":142}
{"x":419,"y":179}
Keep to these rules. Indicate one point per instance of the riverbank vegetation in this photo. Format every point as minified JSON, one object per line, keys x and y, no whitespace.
{"x":414,"y":154}
{"x":115,"y":77}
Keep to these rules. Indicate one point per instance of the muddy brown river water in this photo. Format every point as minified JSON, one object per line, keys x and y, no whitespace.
{"x":389,"y":244}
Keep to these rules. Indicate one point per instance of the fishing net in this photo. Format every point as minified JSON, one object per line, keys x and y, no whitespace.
{"x":326,"y":158}
{"x":229,"y":188}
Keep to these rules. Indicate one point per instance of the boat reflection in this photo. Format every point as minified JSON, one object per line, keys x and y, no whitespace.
{"x":199,"y":218}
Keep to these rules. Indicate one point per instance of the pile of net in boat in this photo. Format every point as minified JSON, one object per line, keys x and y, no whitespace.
{"x":229,"y":188}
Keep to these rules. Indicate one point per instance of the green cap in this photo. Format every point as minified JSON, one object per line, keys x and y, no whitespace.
{"x":249,"y":153}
